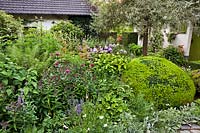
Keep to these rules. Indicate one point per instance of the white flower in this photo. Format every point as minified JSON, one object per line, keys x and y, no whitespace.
{"x":84,"y":115}
{"x":105,"y":125}
{"x":88,"y":129}
{"x":101,"y":117}
{"x":65,"y":127}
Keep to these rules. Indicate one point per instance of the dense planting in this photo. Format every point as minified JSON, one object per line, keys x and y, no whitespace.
{"x":174,"y":55}
{"x":160,"y":81}
{"x":35,"y":50}
{"x":56,"y":82}
{"x":110,"y":64}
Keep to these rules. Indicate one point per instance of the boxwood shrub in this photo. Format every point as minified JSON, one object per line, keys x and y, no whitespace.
{"x":161,"y":81}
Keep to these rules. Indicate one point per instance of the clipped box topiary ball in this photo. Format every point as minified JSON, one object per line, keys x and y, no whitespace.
{"x":161,"y":81}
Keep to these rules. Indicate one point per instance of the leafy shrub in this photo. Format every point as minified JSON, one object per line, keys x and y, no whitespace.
{"x":66,"y":86}
{"x":160,"y":81}
{"x":68,"y":34}
{"x":111,"y":40}
{"x":34,"y":50}
{"x":196,"y":79}
{"x":91,"y":120}
{"x":171,"y":36}
{"x":136,"y":50}
{"x":193,"y":64}
{"x":93,"y":42}
{"x":9,"y":29}
{"x":139,"y":106}
{"x":16,"y":84}
{"x":112,"y":100}
{"x":110,"y":64}
{"x":75,"y":79}
{"x":63,"y":87}
{"x":68,"y":31}
{"x":172,"y":53}
{"x":129,"y":38}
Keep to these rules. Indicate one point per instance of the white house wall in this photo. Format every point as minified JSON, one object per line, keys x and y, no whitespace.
{"x":45,"y":23}
{"x":181,"y":39}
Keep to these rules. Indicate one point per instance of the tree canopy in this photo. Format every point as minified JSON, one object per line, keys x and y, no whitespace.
{"x":143,"y":14}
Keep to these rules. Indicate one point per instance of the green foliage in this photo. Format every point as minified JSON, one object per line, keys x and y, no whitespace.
{"x":91,"y":120}
{"x":161,"y":81}
{"x":75,"y":79}
{"x":136,"y":50}
{"x":9,"y":29}
{"x":123,"y":28}
{"x":110,"y":64}
{"x":138,"y":13}
{"x":68,"y":31}
{"x":84,"y":22}
{"x":16,"y":85}
{"x":156,"y":41}
{"x":111,"y":40}
{"x":93,"y":42}
{"x":193,"y":64}
{"x":172,"y":53}
{"x":169,"y":120}
{"x":129,"y":37}
{"x":196,"y":78}
{"x":143,"y":14}
{"x":65,"y":87}
{"x":139,"y":106}
{"x":34,"y":49}
{"x":171,"y":37}
{"x":113,"y":99}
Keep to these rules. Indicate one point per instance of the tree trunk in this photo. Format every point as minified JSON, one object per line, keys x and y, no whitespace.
{"x":145,"y":41}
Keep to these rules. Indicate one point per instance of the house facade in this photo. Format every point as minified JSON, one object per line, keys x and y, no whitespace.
{"x":45,"y":13}
{"x":185,"y":39}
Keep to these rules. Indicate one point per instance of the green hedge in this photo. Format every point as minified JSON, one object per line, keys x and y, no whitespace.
{"x":129,"y":37}
{"x":161,"y":81}
{"x":194,"y":49}
{"x":193,"y":64}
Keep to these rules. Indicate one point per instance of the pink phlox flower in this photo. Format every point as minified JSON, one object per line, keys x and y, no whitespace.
{"x":56,"y":63}
{"x":57,"y":53}
{"x":67,"y":71}
{"x":82,"y":65}
{"x":91,"y":65}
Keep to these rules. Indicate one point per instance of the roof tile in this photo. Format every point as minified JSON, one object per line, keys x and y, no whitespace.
{"x":62,"y":7}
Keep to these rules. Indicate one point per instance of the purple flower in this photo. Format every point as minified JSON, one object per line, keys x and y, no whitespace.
{"x":101,"y":49}
{"x":106,"y":47}
{"x":20,"y":101}
{"x":109,"y":50}
{"x":94,"y":50}
{"x":78,"y":109}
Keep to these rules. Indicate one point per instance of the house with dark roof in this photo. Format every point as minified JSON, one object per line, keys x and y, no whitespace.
{"x":48,"y":12}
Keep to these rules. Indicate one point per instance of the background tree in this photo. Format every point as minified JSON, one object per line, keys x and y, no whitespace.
{"x":192,"y":8}
{"x":143,"y":14}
